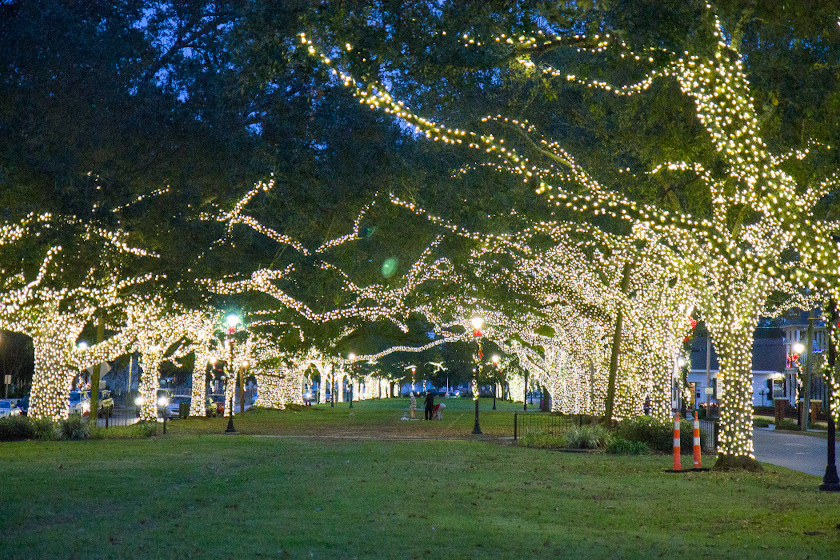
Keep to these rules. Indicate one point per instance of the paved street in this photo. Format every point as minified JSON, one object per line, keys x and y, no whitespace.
{"x":793,"y":451}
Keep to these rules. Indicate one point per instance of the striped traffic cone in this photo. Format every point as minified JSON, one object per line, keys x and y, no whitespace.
{"x":677,"y":466}
{"x":698,"y":463}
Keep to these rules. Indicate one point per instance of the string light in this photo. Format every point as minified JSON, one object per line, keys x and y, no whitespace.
{"x":728,"y":272}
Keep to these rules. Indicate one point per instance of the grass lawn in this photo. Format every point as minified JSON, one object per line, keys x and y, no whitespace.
{"x":205,"y":495}
{"x":374,"y":418}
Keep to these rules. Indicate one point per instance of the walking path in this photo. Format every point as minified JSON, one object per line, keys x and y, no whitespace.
{"x":793,"y":451}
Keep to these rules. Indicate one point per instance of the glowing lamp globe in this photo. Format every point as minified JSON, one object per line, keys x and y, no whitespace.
{"x":232,"y":320}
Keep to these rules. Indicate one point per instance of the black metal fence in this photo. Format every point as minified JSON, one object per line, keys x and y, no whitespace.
{"x":540,"y":423}
{"x":708,"y":434}
{"x":117,"y":417}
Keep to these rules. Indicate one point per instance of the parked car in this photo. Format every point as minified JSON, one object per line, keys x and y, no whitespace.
{"x":8,"y":409}
{"x":76,"y":403}
{"x":80,"y":403}
{"x":23,"y":405}
{"x":210,"y":407}
{"x":173,"y":409}
{"x":219,"y":402}
{"x":163,"y":396}
{"x":106,"y":403}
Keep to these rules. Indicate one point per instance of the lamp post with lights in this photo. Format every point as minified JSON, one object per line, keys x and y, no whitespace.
{"x":351,"y":357}
{"x":232,"y":322}
{"x":477,"y":322}
{"x":831,"y":482}
{"x":798,"y":348}
{"x":495,"y":359}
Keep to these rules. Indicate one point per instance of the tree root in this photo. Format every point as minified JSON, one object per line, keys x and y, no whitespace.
{"x":737,"y":463}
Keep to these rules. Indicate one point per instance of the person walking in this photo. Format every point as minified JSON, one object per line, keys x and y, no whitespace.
{"x":430,"y":404}
{"x":413,"y":405}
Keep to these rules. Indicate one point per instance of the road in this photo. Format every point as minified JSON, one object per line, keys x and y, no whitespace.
{"x":793,"y":451}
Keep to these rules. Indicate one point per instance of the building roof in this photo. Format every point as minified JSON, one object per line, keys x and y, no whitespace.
{"x":768,"y":354}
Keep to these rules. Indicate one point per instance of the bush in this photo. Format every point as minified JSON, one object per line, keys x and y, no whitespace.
{"x":761,"y":422}
{"x":786,"y":424}
{"x":620,"y":446}
{"x":146,"y":429}
{"x":74,"y":428}
{"x":541,"y":440}
{"x":588,"y":436}
{"x":45,"y":429}
{"x":658,"y":434}
{"x":16,"y":428}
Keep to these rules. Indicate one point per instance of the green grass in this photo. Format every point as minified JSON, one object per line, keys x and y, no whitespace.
{"x":371,"y":418}
{"x":205,"y":495}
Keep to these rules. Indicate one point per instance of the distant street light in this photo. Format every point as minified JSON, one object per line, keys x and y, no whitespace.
{"x":232,"y":321}
{"x":477,"y":323}
{"x":495,"y":359}
{"x":351,"y":357}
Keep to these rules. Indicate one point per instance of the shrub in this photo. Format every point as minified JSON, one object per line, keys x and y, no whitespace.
{"x":761,"y":422}
{"x":541,"y":440}
{"x":16,"y":428}
{"x":588,"y":436}
{"x":658,"y":434}
{"x":620,"y":446}
{"x":44,"y":428}
{"x":74,"y":428}
{"x":786,"y":424}
{"x":146,"y":429}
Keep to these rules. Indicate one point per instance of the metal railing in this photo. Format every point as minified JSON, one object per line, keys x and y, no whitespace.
{"x":708,"y":434}
{"x":540,"y":423}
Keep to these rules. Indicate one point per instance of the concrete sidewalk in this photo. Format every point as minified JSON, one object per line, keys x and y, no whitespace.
{"x":793,"y":451}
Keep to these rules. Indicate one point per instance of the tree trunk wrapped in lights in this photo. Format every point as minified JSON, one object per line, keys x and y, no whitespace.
{"x":54,"y":306}
{"x":278,"y":388}
{"x":53,"y":376}
{"x":150,"y":361}
{"x":198,"y":395}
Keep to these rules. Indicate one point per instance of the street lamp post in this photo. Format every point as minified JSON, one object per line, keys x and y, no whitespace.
{"x":678,"y":382}
{"x":495,"y":360}
{"x":798,"y":348}
{"x":7,"y":378}
{"x":831,"y":482}
{"x":477,"y":323}
{"x":232,"y":322}
{"x":351,"y":357}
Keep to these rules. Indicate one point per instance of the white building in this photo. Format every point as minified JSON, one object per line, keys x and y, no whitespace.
{"x":775,"y":365}
{"x":768,"y":369}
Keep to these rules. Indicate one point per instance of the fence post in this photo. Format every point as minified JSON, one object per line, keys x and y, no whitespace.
{"x":514,"y":426}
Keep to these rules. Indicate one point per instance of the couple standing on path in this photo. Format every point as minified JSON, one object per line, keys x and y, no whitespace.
{"x":429,"y":403}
